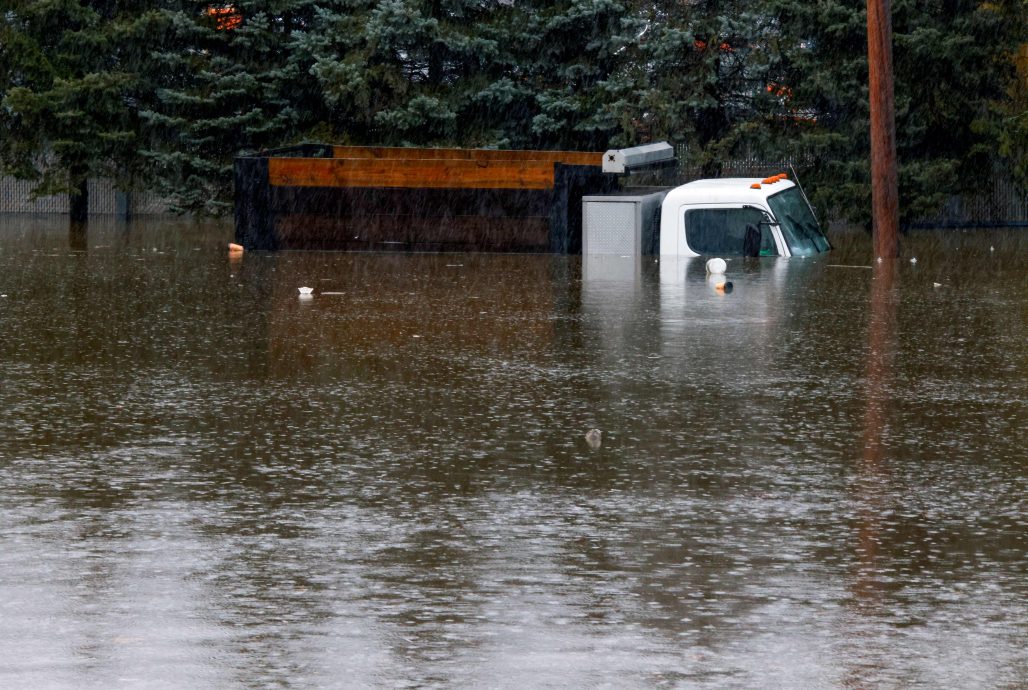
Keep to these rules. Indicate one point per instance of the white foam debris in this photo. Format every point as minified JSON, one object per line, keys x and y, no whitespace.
{"x":717,"y":266}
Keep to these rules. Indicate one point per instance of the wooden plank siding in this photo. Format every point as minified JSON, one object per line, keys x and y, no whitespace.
{"x":409,"y":173}
{"x":480,"y":155}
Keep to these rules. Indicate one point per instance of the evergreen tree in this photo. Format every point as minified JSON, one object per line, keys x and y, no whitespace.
{"x":1010,"y":124}
{"x":433,"y":72}
{"x":948,"y":69}
{"x":707,"y":76}
{"x":230,"y":81}
{"x":575,"y":74}
{"x":467,"y":73}
{"x":69,"y":90}
{"x":165,"y":93}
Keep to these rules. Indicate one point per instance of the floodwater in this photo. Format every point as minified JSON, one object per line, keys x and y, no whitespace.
{"x":818,"y":480}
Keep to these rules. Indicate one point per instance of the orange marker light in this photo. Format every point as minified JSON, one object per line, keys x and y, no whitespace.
{"x":755,"y":185}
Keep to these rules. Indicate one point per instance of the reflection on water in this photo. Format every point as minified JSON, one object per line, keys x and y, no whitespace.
{"x":817,"y":480}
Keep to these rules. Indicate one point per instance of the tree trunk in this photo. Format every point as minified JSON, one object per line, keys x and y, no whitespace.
{"x":436,"y":50}
{"x":78,"y":200}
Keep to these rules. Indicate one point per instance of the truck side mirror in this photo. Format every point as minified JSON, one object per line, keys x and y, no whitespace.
{"x":765,"y":217}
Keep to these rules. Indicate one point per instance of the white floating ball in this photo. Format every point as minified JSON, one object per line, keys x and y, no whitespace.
{"x":717,"y":266}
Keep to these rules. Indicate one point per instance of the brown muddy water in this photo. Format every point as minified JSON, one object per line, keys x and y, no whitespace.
{"x":816,"y":481}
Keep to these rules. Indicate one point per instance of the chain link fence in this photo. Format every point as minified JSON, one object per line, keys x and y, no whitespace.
{"x":1004,"y":205}
{"x":104,"y":199}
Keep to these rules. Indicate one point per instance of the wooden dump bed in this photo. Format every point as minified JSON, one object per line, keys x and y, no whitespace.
{"x":374,"y":198}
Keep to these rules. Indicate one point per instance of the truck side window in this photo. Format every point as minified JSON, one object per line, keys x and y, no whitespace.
{"x":723,"y":231}
{"x":767,"y":242}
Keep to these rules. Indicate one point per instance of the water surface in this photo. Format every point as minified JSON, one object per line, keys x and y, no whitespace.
{"x":818,"y":480}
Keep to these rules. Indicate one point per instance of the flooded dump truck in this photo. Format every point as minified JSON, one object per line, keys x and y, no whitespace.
{"x":319,"y":196}
{"x":724,"y":217}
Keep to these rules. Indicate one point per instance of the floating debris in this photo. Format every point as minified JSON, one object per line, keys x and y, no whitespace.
{"x":306,"y":291}
{"x":234,"y":248}
{"x":717,"y":266}
{"x":913,"y":259}
{"x":718,"y":282}
{"x":594,"y":437}
{"x":936,"y":285}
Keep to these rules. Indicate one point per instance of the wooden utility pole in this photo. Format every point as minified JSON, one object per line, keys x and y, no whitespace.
{"x":884,"y":185}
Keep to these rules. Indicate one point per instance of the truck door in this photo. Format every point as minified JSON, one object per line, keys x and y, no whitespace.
{"x":729,"y":231}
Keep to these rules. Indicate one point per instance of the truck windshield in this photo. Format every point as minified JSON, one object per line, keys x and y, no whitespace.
{"x":799,"y":227}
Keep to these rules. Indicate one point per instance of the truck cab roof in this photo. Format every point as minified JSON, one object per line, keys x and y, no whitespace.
{"x":727,"y":190}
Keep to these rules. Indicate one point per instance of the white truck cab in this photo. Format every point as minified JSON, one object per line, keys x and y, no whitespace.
{"x":733,"y":216}
{"x":739,"y":217}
